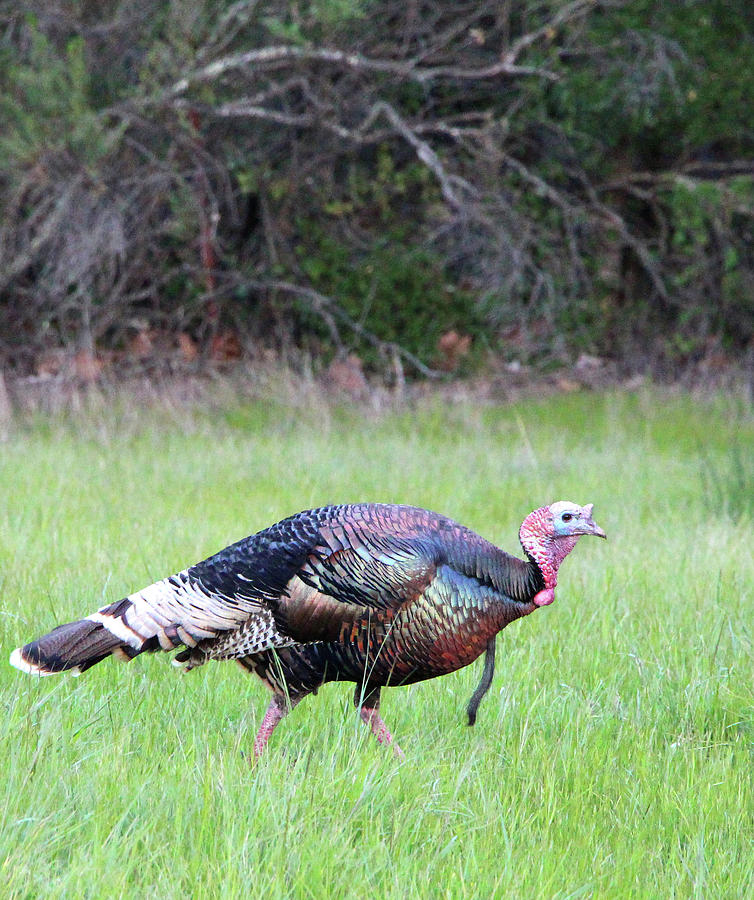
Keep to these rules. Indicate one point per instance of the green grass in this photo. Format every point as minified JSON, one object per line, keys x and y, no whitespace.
{"x":612,"y":758}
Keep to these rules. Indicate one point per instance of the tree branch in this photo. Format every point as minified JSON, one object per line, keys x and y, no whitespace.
{"x":247,"y":110}
{"x":567,"y":13}
{"x":569,"y":211}
{"x":707,"y":171}
{"x":425,"y":153}
{"x":330,"y":309}
{"x":48,"y":228}
{"x":266,"y":57}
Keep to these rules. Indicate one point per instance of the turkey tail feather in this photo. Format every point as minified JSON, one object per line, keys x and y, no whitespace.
{"x":74,"y":647}
{"x":175,"y":611}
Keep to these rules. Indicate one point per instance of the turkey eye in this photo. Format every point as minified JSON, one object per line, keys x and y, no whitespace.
{"x":567,"y":517}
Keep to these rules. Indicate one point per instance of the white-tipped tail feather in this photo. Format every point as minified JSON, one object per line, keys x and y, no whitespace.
{"x":73,"y":647}
{"x":172,"y":612}
{"x":17,"y":660}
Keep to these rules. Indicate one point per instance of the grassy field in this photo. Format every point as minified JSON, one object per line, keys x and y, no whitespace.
{"x":612,"y":757}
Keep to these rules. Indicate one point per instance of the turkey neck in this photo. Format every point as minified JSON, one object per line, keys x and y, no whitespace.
{"x":544,"y":549}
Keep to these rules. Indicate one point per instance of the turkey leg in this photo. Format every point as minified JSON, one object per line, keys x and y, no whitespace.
{"x":369,"y":710}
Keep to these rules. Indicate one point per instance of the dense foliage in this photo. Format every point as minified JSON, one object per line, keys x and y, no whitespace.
{"x":545,"y":178}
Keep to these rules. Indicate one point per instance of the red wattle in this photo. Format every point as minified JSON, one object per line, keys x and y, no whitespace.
{"x":544,"y":598}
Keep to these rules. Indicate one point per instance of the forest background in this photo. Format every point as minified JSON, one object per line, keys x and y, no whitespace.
{"x":414,"y":186}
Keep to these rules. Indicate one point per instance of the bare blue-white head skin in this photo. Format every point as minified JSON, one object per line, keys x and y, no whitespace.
{"x":550,"y":533}
{"x":569,"y":520}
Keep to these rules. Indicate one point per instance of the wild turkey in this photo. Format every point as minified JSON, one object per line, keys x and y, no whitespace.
{"x":371,"y":593}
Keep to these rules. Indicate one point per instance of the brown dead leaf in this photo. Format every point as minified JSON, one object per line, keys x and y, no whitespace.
{"x":187,"y":347}
{"x":88,"y":366}
{"x":346,"y":376}
{"x":225,"y":347}
{"x":452,"y":347}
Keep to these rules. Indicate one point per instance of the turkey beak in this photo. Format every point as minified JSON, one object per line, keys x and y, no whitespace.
{"x":590,"y":526}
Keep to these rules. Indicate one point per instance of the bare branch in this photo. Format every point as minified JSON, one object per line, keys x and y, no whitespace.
{"x":501,"y":69}
{"x":544,"y":189}
{"x":570,"y":11}
{"x":48,"y":228}
{"x":328,"y":307}
{"x":425,"y":153}
{"x":244,"y":109}
{"x":638,"y":246}
{"x":708,"y":171}
{"x":228,"y":25}
{"x":265,"y":57}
